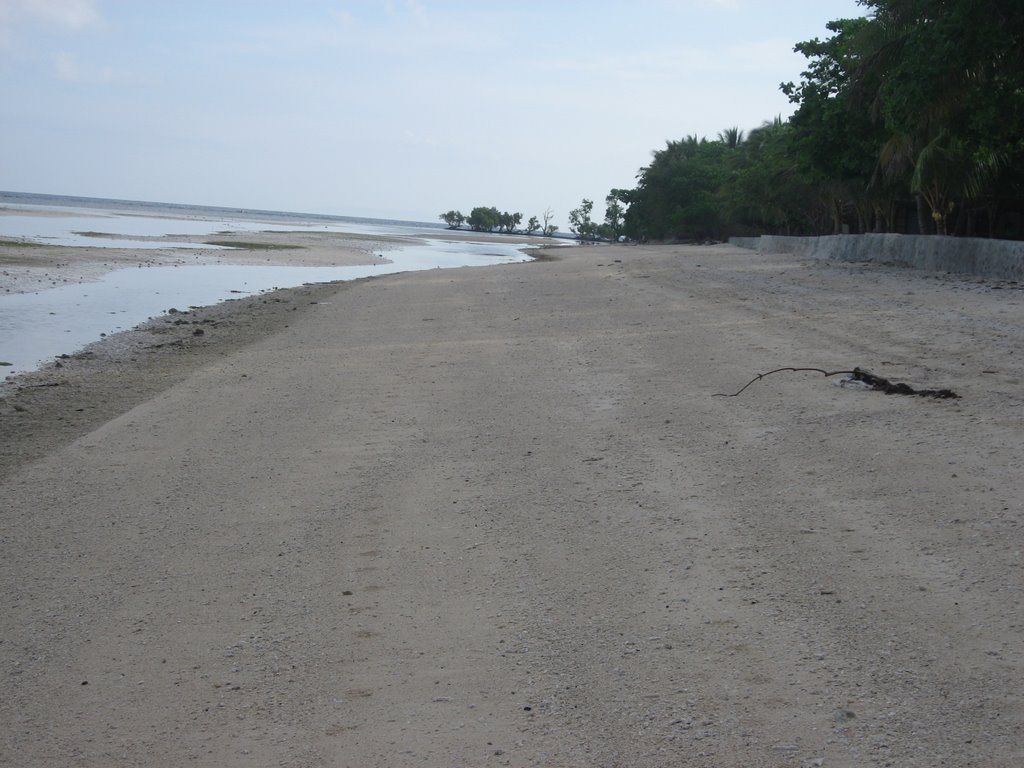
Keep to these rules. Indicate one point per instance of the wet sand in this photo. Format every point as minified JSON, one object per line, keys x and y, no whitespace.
{"x":28,"y":267}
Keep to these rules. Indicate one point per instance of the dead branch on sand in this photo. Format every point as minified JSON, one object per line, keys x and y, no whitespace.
{"x":865,"y":377}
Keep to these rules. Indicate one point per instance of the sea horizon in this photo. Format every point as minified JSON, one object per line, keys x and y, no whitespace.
{"x":50,"y":200}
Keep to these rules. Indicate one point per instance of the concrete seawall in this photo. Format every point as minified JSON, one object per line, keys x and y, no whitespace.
{"x":1002,"y":259}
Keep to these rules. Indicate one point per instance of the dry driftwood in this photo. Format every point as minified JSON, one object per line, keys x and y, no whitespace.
{"x":864,"y":376}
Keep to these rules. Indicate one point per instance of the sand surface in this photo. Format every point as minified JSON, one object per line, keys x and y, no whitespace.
{"x":495,"y":516}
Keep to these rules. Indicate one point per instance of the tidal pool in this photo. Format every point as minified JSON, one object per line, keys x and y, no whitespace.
{"x":37,"y":327}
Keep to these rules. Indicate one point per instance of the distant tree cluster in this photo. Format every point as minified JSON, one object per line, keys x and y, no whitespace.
{"x":585,"y":228}
{"x":454,"y":219}
{"x":908,"y":120}
{"x":490,"y":219}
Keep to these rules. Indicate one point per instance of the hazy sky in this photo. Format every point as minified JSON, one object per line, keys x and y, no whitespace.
{"x":397,"y":109}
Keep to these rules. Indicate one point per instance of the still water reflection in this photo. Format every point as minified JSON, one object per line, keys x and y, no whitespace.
{"x":36,"y":327}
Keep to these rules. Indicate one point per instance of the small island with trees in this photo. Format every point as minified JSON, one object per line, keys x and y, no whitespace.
{"x":490,"y":219}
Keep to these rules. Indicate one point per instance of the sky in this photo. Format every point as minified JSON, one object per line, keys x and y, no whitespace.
{"x":388,"y":109}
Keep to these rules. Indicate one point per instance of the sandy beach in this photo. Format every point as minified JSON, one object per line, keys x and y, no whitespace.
{"x":497,"y":516}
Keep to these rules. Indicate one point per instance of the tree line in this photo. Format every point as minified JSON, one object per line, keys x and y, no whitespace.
{"x":910,"y":119}
{"x":490,"y":219}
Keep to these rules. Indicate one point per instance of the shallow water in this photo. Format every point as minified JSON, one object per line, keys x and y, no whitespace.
{"x":89,"y":222}
{"x":103,"y":231}
{"x":90,"y":230}
{"x":36,"y":327}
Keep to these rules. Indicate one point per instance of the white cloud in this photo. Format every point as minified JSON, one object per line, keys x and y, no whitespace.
{"x":411,"y":8}
{"x":418,"y":12}
{"x":70,"y":14}
{"x":344,"y":18}
{"x":67,"y":67}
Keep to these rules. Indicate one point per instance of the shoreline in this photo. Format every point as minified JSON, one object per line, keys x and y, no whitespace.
{"x":161,"y":350}
{"x":110,"y":375}
{"x":28,"y":267}
{"x":29,"y":272}
{"x":74,"y":394}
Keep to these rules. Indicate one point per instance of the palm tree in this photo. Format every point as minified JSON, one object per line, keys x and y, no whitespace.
{"x":731,"y":137}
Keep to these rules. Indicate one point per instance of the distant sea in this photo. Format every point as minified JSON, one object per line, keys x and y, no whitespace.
{"x":183,"y":210}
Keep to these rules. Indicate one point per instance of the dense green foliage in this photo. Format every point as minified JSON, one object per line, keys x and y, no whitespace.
{"x":490,"y":219}
{"x":580,"y":223}
{"x":483,"y":219}
{"x":910,"y":119}
{"x":454,"y":219}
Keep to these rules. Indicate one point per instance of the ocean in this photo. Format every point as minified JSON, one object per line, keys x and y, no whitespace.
{"x":181,"y":210}
{"x":36,"y":327}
